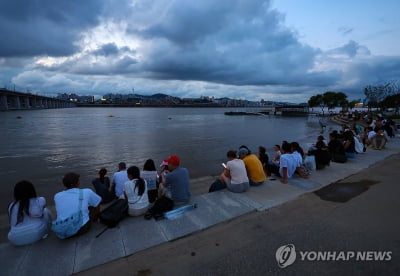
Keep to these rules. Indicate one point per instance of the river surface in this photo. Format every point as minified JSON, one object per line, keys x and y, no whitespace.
{"x":43,"y":145}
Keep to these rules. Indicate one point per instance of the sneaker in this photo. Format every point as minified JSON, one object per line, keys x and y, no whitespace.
{"x":364,"y":149}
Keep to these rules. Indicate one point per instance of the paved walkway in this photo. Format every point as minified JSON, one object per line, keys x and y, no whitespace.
{"x":65,"y":257}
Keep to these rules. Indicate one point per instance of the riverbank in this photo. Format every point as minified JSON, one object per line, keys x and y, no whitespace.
{"x":247,"y":244}
{"x":134,"y":235}
{"x":45,"y":144}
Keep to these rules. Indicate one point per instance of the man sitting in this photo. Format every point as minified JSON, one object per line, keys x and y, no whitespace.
{"x":177,"y":181}
{"x":254,"y":168}
{"x":288,"y":164}
{"x":174,"y":189}
{"x":379,"y":140}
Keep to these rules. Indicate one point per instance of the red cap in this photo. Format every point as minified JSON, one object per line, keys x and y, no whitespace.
{"x":173,"y":159}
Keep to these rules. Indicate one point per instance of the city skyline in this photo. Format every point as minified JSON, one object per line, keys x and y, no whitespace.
{"x":273,"y":50}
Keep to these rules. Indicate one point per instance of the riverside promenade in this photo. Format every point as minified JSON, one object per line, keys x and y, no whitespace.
{"x":65,"y":257}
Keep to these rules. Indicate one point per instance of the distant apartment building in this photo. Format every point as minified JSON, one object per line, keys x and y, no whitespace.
{"x":75,"y":98}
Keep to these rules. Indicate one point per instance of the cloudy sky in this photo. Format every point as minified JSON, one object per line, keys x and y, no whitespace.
{"x":277,"y":50}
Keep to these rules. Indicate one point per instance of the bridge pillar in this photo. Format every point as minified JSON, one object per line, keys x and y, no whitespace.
{"x":15,"y":102}
{"x":3,"y":102}
{"x":26,"y":102}
{"x":33,"y":102}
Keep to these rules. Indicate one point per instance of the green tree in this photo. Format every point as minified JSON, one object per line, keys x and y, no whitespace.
{"x":334,"y":99}
{"x":391,"y":101}
{"x":329,"y":99}
{"x":316,"y":101}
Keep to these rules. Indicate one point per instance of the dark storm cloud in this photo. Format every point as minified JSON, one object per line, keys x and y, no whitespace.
{"x":176,"y":46}
{"x":46,"y":27}
{"x":106,"y":50}
{"x":111,"y":49}
{"x":108,"y":59}
{"x":376,"y":70}
{"x":232,"y":42}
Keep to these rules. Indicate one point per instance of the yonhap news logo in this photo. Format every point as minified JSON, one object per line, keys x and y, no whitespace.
{"x":286,"y":255}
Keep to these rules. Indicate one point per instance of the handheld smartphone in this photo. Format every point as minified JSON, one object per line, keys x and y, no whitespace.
{"x":223,"y":165}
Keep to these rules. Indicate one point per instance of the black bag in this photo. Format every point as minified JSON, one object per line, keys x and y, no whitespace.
{"x":161,"y":206}
{"x":114,"y":213}
{"x":216,"y":186}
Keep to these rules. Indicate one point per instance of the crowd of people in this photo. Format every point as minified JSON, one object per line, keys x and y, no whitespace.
{"x":150,"y":192}
{"x":244,"y":169}
{"x":146,"y":191}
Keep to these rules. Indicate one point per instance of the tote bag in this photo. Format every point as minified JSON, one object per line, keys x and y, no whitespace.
{"x":68,"y":227}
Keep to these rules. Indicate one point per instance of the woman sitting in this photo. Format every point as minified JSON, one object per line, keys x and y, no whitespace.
{"x":103,"y":187}
{"x":336,"y":148}
{"x":29,"y":217}
{"x":235,"y":174}
{"x":135,"y":191}
{"x":349,"y":144}
{"x":149,"y":173}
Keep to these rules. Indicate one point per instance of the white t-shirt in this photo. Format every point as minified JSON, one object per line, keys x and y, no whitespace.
{"x":119,"y":178}
{"x":33,"y":227}
{"x":36,"y":208}
{"x":136,"y":201}
{"x":287,"y":161}
{"x":277,"y":156}
{"x":298,"y":158}
{"x":237,"y":170}
{"x":151,"y":179}
{"x":67,"y":203}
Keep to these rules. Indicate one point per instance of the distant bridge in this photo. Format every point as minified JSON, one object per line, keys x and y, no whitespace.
{"x":14,"y":100}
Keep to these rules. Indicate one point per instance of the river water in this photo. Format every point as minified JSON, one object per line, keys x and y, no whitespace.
{"x":43,"y":145}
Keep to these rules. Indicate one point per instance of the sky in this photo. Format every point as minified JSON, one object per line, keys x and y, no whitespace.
{"x":278,"y":50}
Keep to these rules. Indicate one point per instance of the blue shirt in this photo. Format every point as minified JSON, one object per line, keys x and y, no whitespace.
{"x":178,"y":183}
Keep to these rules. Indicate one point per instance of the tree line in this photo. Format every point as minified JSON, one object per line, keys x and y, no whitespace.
{"x":331,"y":100}
{"x":380,"y":96}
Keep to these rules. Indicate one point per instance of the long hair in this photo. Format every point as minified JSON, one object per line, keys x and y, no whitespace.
{"x":139,"y":183}
{"x":23,"y":192}
{"x":149,"y":165}
{"x":102,"y":173}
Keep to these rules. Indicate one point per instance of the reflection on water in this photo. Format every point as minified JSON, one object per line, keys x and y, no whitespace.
{"x":45,"y":144}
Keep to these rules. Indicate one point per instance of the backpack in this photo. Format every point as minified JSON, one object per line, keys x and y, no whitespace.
{"x":161,"y":205}
{"x":114,"y":213}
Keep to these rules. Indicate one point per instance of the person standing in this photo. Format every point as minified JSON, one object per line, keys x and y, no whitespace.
{"x":29,"y":217}
{"x":119,"y":179}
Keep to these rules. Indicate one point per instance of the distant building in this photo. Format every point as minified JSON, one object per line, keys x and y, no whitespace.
{"x":75,"y":98}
